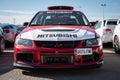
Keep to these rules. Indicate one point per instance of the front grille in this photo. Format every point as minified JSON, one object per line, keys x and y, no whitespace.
{"x":57,"y":59}
{"x":53,"y":44}
{"x":53,"y":52}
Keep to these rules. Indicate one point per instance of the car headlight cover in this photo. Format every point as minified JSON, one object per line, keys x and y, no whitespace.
{"x":24,"y":42}
{"x":91,"y":42}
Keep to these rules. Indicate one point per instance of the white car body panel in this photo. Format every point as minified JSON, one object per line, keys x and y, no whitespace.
{"x":116,"y":33}
{"x":59,"y":35}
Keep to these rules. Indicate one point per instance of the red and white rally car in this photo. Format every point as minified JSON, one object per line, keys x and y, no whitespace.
{"x":58,"y":38}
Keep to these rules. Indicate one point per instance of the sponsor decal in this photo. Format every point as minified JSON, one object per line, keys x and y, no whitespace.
{"x":57,"y":35}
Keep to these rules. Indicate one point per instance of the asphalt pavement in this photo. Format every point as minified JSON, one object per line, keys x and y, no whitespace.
{"x":109,"y":71}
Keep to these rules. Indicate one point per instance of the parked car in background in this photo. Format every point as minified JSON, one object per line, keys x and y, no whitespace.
{"x":116,"y":39}
{"x":104,"y":32}
{"x":111,"y":24}
{"x":2,"y":41}
{"x":10,"y":31}
{"x":19,"y":29}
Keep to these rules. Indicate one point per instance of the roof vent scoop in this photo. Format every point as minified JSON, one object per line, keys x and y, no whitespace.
{"x":60,"y":8}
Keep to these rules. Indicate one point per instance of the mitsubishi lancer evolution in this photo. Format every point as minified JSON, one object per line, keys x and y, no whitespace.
{"x":59,"y":37}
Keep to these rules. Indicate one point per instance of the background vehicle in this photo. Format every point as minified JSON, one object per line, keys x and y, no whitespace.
{"x":19,"y":29}
{"x":2,"y":41}
{"x":104,"y":32}
{"x":9,"y":32}
{"x":116,"y":39}
{"x":106,"y":29}
{"x":111,"y":24}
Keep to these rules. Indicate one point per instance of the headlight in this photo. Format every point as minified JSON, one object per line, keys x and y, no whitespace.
{"x":24,"y":42}
{"x":91,"y":42}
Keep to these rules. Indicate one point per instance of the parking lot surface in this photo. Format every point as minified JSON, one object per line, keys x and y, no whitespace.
{"x":109,"y":71}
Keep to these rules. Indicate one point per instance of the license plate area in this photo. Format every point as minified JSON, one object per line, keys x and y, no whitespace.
{"x":83,"y":51}
{"x":57,"y":59}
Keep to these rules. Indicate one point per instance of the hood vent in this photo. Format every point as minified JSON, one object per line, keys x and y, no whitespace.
{"x":58,"y":30}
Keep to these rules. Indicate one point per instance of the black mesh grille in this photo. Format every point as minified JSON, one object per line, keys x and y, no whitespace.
{"x":54,"y":44}
{"x":91,"y":58}
{"x":24,"y":57}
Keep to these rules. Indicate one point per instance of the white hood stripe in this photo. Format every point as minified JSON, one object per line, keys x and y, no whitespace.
{"x":41,"y":35}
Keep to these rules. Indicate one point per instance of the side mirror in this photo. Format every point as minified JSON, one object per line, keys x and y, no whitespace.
{"x":25,"y":24}
{"x":92,"y":25}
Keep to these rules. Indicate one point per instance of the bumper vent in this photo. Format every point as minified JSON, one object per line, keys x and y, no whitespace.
{"x":90,"y":58}
{"x":24,"y":57}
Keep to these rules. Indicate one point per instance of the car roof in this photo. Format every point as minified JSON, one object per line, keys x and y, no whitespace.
{"x":61,"y":8}
{"x":112,"y":19}
{"x":5,"y":24}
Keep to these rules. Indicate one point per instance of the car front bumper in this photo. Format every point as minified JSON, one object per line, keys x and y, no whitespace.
{"x":92,"y":65}
{"x":32,"y":58}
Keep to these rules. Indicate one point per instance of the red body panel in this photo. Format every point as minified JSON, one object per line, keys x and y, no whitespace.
{"x":42,"y":51}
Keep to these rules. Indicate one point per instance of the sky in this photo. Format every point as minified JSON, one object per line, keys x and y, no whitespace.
{"x":20,"y":11}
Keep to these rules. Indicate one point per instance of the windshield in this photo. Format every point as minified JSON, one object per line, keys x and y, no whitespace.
{"x":59,"y":18}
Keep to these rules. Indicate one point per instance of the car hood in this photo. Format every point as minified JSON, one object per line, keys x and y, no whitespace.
{"x":58,"y":33}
